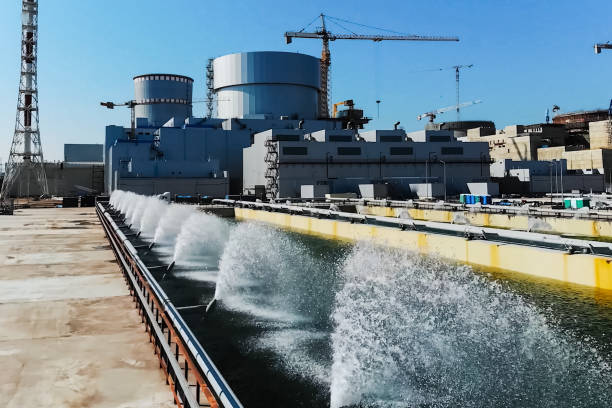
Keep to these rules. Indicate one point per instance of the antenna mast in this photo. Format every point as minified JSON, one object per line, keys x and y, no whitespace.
{"x":26,"y":154}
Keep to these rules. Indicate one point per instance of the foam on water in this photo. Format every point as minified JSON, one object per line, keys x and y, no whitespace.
{"x":415,"y":331}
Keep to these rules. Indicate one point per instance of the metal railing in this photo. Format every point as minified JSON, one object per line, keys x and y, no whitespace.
{"x":489,"y":209}
{"x":550,"y":241}
{"x":173,"y":341}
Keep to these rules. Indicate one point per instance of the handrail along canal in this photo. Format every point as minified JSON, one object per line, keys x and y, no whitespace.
{"x":174,"y":342}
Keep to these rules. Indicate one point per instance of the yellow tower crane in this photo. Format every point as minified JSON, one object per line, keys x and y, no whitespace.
{"x":326,"y":36}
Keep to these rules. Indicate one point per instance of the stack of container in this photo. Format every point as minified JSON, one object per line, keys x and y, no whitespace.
{"x":474,"y":198}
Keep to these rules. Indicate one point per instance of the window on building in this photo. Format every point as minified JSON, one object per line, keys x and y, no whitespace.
{"x":294,"y":150}
{"x":439,"y":138}
{"x":400,"y":151}
{"x":388,"y":138}
{"x":349,"y":151}
{"x":340,"y":138}
{"x":452,"y":150}
{"x":287,"y":138}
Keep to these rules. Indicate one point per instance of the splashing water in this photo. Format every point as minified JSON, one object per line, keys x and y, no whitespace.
{"x":376,"y":326}
{"x":153,"y":213}
{"x":404,"y":214}
{"x":413,"y":331}
{"x":459,"y":218}
{"x":170,"y":225}
{"x":534,"y":224}
{"x":267,"y":273}
{"x":582,"y":212}
{"x":201,"y":239}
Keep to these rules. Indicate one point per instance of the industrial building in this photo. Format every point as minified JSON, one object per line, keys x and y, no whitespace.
{"x":541,"y":177}
{"x":519,"y":142}
{"x":577,"y":124}
{"x":268,"y":138}
{"x":80,"y":173}
{"x":597,"y":159}
{"x":173,"y":151}
{"x":425,"y":163}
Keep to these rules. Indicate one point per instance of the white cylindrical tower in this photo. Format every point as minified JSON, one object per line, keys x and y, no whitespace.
{"x":266,"y":84}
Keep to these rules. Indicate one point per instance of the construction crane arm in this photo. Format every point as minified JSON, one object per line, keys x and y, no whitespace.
{"x":376,"y":38}
{"x":603,"y":46}
{"x":348,"y":102}
{"x":326,"y":36}
{"x":433,"y":113}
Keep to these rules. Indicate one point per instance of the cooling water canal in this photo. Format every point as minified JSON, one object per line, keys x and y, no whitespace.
{"x":307,"y":322}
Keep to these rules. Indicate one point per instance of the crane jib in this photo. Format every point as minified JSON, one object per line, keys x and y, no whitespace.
{"x":333,"y":37}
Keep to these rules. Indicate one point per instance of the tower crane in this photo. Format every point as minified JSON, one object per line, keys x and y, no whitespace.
{"x":326,"y":36}
{"x":457,"y":68}
{"x":432,"y":115}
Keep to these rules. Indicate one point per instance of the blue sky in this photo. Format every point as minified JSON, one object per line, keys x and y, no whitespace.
{"x":527,"y":56}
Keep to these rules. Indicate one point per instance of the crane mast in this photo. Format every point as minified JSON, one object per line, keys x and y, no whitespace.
{"x":457,"y":68}
{"x":324,"y":74}
{"x":326,"y":36}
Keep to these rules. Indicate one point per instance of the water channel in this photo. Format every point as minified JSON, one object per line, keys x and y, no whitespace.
{"x":308,"y":322}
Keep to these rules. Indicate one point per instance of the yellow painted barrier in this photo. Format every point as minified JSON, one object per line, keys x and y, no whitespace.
{"x":568,"y":226}
{"x":589,"y":270}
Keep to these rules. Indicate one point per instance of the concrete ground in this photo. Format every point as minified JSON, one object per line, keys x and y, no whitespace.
{"x":70,"y":335}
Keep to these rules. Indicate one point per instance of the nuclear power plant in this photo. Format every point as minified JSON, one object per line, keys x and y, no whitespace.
{"x":268,"y":139}
{"x":276,"y":249}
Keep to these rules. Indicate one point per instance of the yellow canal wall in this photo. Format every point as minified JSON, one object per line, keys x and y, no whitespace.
{"x":581,"y":269}
{"x":571,"y":226}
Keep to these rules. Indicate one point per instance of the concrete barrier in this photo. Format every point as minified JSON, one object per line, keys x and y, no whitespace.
{"x":569,"y":226}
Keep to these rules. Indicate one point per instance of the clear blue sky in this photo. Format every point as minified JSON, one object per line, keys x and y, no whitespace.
{"x":527,"y":56}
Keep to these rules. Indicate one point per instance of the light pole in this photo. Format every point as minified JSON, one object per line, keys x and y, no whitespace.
{"x":427,"y":173}
{"x":444,"y":164}
{"x":562,"y":194}
{"x":550,"y":166}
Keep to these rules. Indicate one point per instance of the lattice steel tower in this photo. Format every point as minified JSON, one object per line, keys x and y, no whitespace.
{"x":26,"y":157}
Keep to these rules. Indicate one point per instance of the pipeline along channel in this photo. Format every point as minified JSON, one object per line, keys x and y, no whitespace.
{"x":301,"y":321}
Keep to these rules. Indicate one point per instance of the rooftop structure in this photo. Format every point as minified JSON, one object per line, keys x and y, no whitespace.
{"x":83,"y":153}
{"x":577,"y":124}
{"x":67,"y":316}
{"x":344,"y":160}
{"x":519,"y":142}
